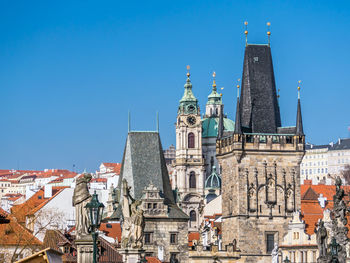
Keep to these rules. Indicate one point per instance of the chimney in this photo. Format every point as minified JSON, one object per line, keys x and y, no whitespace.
{"x":48,"y":191}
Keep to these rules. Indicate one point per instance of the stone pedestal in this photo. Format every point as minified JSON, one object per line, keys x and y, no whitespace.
{"x":132,"y":255}
{"x":85,"y":247}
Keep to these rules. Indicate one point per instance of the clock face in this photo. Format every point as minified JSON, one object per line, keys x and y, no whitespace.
{"x":191,"y":120}
{"x":191,"y":108}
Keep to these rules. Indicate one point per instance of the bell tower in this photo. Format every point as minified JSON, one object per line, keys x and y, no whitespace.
{"x":188,"y":177}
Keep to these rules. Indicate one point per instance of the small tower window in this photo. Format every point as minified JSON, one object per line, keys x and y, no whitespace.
{"x":193,"y":216}
{"x":217,"y":112}
{"x":192,"y":180}
{"x":191,"y":140}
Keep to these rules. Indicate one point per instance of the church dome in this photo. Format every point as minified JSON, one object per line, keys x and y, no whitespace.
{"x":213,"y":181}
{"x":210,"y":126}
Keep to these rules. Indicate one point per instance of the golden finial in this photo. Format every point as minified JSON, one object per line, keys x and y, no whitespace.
{"x":188,"y":70}
{"x":214,"y":82}
{"x":299,"y":89}
{"x":268,"y":31}
{"x":238,"y":87}
{"x":246,"y":32}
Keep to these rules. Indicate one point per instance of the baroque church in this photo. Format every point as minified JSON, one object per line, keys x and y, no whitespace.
{"x":196,"y":177}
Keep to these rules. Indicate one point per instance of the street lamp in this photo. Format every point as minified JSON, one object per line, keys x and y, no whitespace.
{"x":95,"y":209}
{"x":286,"y":260}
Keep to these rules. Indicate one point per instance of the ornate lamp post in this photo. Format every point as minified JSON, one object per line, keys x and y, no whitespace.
{"x":286,"y":260}
{"x":95,"y":215}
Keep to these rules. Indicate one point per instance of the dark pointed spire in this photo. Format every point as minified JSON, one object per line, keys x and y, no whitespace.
{"x":221,"y":123}
{"x":258,"y":101}
{"x":238,"y":129}
{"x":299,"y":124}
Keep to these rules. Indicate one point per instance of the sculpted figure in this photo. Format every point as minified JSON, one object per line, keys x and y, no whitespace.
{"x":321,"y":236}
{"x":81,"y":197}
{"x":274,"y":254}
{"x":133,"y":220}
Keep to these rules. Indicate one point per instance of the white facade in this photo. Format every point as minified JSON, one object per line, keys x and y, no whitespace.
{"x":322,"y":163}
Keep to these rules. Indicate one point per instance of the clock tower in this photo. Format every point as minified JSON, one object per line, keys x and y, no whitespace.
{"x":188,"y":176}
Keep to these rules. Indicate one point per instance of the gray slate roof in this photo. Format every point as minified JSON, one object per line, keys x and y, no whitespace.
{"x":259,"y":108}
{"x":143,"y":163}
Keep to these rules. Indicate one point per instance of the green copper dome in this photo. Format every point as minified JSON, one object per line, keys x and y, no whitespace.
{"x":214,"y":98}
{"x":210,"y":126}
{"x":213,"y":181}
{"x":188,"y":102}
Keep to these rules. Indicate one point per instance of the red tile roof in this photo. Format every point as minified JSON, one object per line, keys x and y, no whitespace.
{"x":112,"y":230}
{"x":115,"y":166}
{"x":22,"y":210}
{"x":14,"y":234}
{"x":311,"y":210}
{"x":193,"y":236}
{"x":98,"y":180}
{"x":153,"y":260}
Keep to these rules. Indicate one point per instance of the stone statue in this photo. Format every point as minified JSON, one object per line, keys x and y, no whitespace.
{"x":274,"y":254}
{"x":339,"y":222}
{"x":321,"y":236}
{"x":133,"y":220}
{"x":81,"y":197}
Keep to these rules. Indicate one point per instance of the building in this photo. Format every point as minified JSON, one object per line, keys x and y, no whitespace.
{"x":300,"y":244}
{"x":16,"y":241}
{"x":144,"y":168}
{"x":322,"y":163}
{"x":260,"y":163}
{"x":196,"y":149}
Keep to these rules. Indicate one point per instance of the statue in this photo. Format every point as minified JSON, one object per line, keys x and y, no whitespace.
{"x":339,"y":223}
{"x":81,"y":197}
{"x":274,"y":254}
{"x":133,"y":220}
{"x":321,"y":236}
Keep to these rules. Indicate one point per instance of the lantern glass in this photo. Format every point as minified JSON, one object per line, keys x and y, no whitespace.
{"x":95,"y":211}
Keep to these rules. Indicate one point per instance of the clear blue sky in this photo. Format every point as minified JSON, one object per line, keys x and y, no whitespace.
{"x":71,"y":70}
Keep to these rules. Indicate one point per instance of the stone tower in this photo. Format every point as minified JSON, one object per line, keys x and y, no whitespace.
{"x":188,"y":177}
{"x":260,"y":163}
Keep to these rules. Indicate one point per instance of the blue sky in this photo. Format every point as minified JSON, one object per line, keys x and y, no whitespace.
{"x":71,"y":70}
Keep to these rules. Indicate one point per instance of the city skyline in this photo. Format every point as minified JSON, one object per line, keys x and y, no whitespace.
{"x":70,"y":74}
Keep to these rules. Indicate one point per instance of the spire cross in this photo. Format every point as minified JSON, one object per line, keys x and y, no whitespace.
{"x":299,"y":89}
{"x":246,"y":32}
{"x":188,"y":70}
{"x":268,"y":31}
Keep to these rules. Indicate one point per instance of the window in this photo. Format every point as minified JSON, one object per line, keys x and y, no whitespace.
{"x":173,"y":238}
{"x":154,"y":205}
{"x":193,"y":216}
{"x":149,"y":206}
{"x":270,"y":242}
{"x":66,"y":250}
{"x":148,"y":238}
{"x":192,"y":180}
{"x":191,"y":140}
{"x":39,"y":197}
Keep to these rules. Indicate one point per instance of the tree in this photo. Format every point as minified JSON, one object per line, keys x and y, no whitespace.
{"x":29,"y":238}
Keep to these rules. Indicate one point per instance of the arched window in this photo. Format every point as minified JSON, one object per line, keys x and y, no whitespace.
{"x":191,"y":140}
{"x":217,"y":113}
{"x":193,"y":216}
{"x":192,"y":180}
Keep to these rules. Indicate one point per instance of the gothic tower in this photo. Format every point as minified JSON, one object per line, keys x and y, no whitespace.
{"x":260,"y":163}
{"x":188,"y":177}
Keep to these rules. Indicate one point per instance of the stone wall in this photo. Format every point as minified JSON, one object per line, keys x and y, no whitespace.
{"x":260,"y":191}
{"x":161,"y":230}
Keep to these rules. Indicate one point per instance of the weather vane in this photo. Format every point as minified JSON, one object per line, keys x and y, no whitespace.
{"x":214,"y":82}
{"x":268,"y":31}
{"x":299,"y":89}
{"x":246,"y":32}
